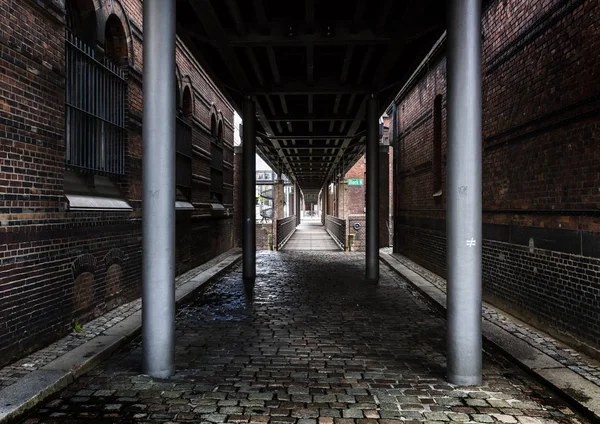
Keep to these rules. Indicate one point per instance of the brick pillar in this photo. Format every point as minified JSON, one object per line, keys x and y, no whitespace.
{"x":237,"y":196}
{"x":278,"y":200}
{"x":384,"y":196}
{"x":292,"y":202}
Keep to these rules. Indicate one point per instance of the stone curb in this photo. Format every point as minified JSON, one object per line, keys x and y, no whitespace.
{"x":579,"y":392}
{"x":25,"y":394}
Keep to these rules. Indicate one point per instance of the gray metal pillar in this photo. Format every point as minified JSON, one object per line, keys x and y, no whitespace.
{"x":372,"y":186}
{"x":464,"y":192}
{"x":395,"y":147}
{"x":249,"y":177}
{"x":158,"y":198}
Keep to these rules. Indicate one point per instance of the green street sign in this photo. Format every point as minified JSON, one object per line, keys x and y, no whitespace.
{"x":355,"y":181}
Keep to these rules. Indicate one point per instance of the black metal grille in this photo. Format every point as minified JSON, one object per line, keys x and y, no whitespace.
{"x":95,"y":111}
{"x":336,"y":227}
{"x":285,"y":229}
{"x":183,"y":147}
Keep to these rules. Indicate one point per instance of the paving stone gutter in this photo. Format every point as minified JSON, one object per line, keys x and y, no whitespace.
{"x":557,"y":366}
{"x":41,"y":374}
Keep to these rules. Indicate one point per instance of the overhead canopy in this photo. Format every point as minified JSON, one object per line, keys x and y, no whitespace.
{"x":311,"y":65}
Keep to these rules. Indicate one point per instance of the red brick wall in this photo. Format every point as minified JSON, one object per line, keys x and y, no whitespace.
{"x":540,"y":163}
{"x":58,"y":265}
{"x":355,"y":195}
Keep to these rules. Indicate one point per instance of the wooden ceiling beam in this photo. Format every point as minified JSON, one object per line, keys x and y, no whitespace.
{"x":209,"y":19}
{"x":276,"y":35}
{"x":261,"y":16}
{"x":359,"y":11}
{"x":310,"y":64}
{"x":255,"y":65}
{"x":301,"y":88}
{"x":309,"y":15}
{"x":306,"y":118}
{"x":273,"y":65}
{"x":236,"y":16}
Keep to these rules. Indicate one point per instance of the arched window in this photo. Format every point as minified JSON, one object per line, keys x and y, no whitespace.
{"x":216,"y":160}
{"x":95,"y":94}
{"x":437,"y":146}
{"x":220,"y":133}
{"x":187,"y":106}
{"x":115,"y":41}
{"x":213,"y":127}
{"x":183,"y":156}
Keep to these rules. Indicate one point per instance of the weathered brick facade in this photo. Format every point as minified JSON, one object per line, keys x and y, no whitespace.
{"x":350,"y":200}
{"x":541,"y":149}
{"x":58,"y":265}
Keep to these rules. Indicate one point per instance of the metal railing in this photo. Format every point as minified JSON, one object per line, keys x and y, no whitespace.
{"x":95,"y":98}
{"x":336,"y":227}
{"x":285,"y":229}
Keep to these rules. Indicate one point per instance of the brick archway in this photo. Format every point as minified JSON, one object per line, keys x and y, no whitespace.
{"x":187,"y":101}
{"x":115,"y":41}
{"x":114,"y":32}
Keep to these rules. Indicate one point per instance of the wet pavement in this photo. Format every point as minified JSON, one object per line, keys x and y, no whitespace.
{"x":311,"y":235}
{"x":312,"y":344}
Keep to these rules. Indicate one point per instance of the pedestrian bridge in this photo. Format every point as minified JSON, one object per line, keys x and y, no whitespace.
{"x":310,"y":235}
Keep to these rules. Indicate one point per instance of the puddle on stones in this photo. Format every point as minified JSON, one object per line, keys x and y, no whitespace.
{"x":224,"y":300}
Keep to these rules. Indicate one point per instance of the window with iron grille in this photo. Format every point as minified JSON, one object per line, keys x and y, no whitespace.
{"x":95,"y":111}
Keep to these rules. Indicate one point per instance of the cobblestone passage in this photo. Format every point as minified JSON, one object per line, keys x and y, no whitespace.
{"x":313,"y":344}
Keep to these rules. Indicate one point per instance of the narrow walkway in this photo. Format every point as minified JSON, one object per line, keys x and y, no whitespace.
{"x":312,"y":342}
{"x":311,"y":235}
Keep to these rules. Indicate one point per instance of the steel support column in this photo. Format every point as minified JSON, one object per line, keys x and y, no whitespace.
{"x":395,"y":238}
{"x":158,"y":205}
{"x":249,"y":173}
{"x":464,"y":192}
{"x":372,"y":185}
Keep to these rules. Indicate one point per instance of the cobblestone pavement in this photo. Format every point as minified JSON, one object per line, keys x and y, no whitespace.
{"x":11,"y":373}
{"x":580,"y":363}
{"x":312,"y":344}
